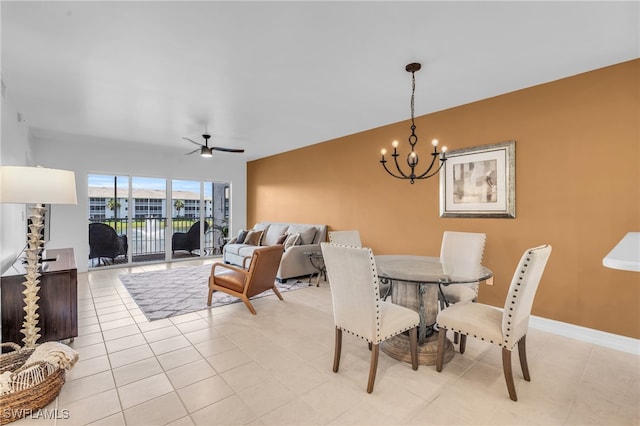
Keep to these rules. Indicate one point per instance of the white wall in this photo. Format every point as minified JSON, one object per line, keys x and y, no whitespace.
{"x":84,"y":155}
{"x":14,"y":151}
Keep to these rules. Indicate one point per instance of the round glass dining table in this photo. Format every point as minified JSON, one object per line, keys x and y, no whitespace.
{"x":415,"y":282}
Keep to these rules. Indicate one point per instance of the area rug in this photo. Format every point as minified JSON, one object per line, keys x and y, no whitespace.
{"x":163,"y":294}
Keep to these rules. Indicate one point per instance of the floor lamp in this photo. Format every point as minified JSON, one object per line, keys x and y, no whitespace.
{"x":35,"y":185}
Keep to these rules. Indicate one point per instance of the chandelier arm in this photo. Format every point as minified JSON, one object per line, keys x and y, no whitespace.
{"x":395,"y":160}
{"x":422,"y":176}
{"x":401,"y":176}
{"x":433,"y":161}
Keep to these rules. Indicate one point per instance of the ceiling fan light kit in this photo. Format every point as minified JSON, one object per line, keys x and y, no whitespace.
{"x":207,"y":151}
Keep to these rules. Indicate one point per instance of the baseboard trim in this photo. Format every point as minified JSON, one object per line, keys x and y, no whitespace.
{"x":597,"y":337}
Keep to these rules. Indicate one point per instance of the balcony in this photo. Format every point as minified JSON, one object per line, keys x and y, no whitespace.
{"x":148,"y":239}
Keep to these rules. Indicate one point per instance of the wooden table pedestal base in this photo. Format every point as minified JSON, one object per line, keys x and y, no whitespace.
{"x":398,"y":347}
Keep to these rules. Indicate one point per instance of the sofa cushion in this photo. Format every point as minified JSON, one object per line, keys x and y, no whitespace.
{"x":261,"y":226}
{"x":246,"y":251}
{"x":254,"y":238}
{"x":273,"y":232}
{"x":282,"y":239}
{"x":233,"y":248}
{"x":307,"y":233}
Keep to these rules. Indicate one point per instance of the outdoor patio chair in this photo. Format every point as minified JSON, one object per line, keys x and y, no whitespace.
{"x":188,"y":241}
{"x":104,"y":242}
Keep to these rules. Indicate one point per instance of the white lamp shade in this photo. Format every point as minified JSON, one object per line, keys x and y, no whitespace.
{"x":27,"y":185}
{"x":626,"y":254}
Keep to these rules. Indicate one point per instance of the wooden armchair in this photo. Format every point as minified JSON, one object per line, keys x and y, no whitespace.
{"x":244,"y":284}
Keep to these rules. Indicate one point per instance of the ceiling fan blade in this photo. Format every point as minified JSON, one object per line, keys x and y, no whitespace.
{"x":193,"y":152}
{"x":218,"y":148}
{"x":192,"y":141}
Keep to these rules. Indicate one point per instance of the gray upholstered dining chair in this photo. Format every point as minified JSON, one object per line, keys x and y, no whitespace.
{"x":506,"y":328}
{"x":347,"y":238}
{"x":357,"y":308}
{"x":461,"y":253}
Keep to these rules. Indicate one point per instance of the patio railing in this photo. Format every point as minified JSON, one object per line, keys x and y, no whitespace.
{"x":148,"y":238}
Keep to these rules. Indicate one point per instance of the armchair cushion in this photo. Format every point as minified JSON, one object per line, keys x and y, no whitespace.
{"x":230,"y":277}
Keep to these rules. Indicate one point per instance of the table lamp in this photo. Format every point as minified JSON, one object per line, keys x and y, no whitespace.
{"x":35,"y":185}
{"x":626,"y":254}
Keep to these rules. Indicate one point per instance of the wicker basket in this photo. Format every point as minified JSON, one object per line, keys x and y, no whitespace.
{"x":18,"y":404}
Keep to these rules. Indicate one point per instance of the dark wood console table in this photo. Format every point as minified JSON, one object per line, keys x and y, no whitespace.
{"x":58,"y":304}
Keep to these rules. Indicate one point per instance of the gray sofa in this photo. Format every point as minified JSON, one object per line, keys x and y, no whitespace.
{"x":294,"y":262}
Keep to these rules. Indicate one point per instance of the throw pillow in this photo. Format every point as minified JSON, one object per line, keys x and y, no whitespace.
{"x":307,"y":233}
{"x":242,"y":235}
{"x":281,"y":239}
{"x":253,"y":238}
{"x":292,"y":240}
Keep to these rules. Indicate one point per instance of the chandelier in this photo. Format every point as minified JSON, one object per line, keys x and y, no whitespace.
{"x":412,"y":157}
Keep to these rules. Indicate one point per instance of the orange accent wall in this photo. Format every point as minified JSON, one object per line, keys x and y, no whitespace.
{"x":577,"y":188}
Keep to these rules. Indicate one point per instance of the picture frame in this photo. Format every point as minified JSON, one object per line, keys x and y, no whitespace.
{"x":479,"y":182}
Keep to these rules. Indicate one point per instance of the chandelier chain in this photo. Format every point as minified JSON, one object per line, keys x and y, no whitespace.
{"x":413,"y":138}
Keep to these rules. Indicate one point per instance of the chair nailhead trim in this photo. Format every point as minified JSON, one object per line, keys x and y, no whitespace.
{"x":505,"y":344}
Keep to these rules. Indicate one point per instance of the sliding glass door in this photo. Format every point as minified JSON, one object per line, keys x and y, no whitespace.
{"x":188,"y":220}
{"x":150,"y":221}
{"x":149,"y":205}
{"x":108,"y":220}
{"x":220,"y":195}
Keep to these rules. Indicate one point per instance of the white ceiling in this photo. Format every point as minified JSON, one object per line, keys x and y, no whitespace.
{"x":274,"y":76}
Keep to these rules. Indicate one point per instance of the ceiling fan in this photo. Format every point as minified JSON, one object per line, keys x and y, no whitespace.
{"x":206,"y":150}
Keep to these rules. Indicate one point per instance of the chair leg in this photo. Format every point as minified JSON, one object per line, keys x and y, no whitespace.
{"x":522,"y":353}
{"x":370,"y":345}
{"x":442,"y":335}
{"x":413,"y":345}
{"x":277,"y":292}
{"x":463,"y":343}
{"x":373,"y":367}
{"x":211,"y":290}
{"x":456,"y":336}
{"x":210,"y":296}
{"x":249,"y":305}
{"x":337,"y":350}
{"x":508,"y":374}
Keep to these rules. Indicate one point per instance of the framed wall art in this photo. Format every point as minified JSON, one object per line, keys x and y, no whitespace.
{"x":479,"y":182}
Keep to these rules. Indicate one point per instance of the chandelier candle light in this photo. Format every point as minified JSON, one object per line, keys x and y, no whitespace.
{"x":412,"y":157}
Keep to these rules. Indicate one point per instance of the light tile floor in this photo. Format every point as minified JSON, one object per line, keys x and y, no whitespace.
{"x":224,"y":366}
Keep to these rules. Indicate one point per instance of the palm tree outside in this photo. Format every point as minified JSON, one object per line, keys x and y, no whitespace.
{"x":178,"y":205}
